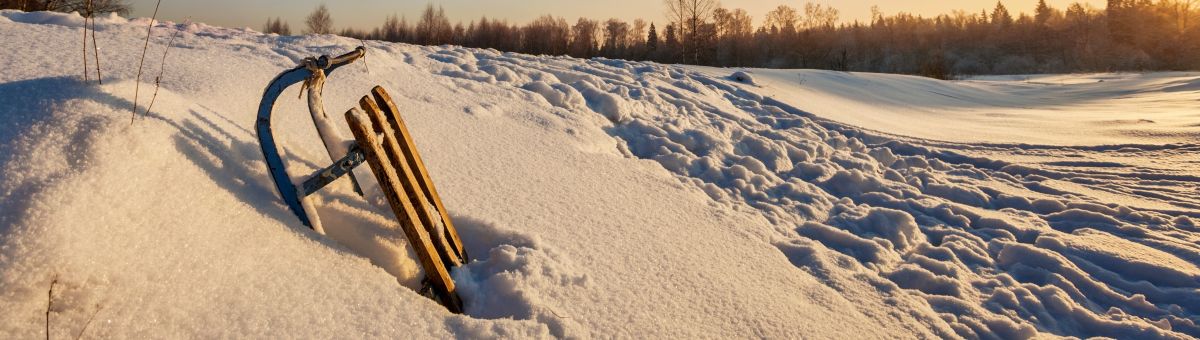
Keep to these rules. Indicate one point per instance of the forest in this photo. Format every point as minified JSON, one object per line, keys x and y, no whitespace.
{"x":1125,"y":35}
{"x":80,"y":6}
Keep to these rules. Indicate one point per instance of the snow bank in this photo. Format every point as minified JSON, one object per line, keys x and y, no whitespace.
{"x":600,"y":198}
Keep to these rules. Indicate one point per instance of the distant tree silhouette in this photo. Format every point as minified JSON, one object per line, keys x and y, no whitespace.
{"x":669,"y":51}
{"x":547,"y":35}
{"x":277,"y":26}
{"x":1042,"y":13}
{"x":652,"y":39}
{"x":583,"y":38}
{"x":1000,"y":16}
{"x":394,"y":29}
{"x":434,"y":28}
{"x":319,"y":21}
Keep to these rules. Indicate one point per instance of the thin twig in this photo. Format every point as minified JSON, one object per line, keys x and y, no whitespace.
{"x":50,"y":304}
{"x":552,"y":311}
{"x":158,"y":79}
{"x":137,"y":84}
{"x":89,"y":322}
{"x":95,"y":47}
{"x":85,"y":59}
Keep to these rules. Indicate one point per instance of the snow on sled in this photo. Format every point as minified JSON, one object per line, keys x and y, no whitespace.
{"x":381,"y":139}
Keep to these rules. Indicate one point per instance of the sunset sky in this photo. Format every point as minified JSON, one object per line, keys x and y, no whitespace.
{"x":370,"y":13}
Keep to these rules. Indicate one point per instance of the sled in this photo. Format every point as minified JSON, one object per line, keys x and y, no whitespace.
{"x":383,"y":142}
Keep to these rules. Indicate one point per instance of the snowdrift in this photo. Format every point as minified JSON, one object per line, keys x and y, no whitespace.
{"x":600,"y":198}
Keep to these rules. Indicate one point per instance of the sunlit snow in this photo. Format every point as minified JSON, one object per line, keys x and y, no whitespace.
{"x":599,"y":198}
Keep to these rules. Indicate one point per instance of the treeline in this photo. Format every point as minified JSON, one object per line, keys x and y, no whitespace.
{"x":81,"y":6}
{"x":1126,"y":35}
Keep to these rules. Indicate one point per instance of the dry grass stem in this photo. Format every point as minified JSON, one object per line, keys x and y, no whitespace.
{"x":95,"y":47}
{"x":137,"y":84}
{"x":163,"y":68}
{"x":50,"y":304}
{"x":85,"y":46}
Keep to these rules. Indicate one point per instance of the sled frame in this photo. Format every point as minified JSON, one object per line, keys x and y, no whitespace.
{"x":272,"y":150}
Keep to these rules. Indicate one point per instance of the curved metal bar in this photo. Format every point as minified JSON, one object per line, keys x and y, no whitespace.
{"x":272,"y":152}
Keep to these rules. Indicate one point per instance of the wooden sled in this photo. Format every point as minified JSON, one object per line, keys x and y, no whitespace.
{"x":382,"y":140}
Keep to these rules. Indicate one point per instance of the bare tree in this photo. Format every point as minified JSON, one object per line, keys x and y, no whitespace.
{"x":783,"y":17}
{"x":434,"y":28}
{"x":818,"y":16}
{"x":615,"y":34}
{"x":583,"y":38}
{"x":734,"y":32}
{"x":458,"y":34}
{"x":690,"y":16}
{"x":636,"y":33}
{"x":394,"y":29}
{"x":319,"y":21}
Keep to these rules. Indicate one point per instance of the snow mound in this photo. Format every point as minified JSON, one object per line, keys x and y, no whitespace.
{"x":743,"y":77}
{"x":599,"y":198}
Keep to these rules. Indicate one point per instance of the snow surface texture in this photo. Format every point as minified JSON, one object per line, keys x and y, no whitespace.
{"x":1069,"y":110}
{"x":600,"y":198}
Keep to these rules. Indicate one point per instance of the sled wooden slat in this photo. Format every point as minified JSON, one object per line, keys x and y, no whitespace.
{"x":389,"y":183}
{"x":401,"y":162}
{"x":385,"y":103}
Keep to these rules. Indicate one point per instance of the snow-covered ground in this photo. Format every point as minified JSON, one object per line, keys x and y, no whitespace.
{"x":600,"y":198}
{"x":1090,"y":109}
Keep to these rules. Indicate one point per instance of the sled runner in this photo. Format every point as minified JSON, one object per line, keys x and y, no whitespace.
{"x":382,"y":140}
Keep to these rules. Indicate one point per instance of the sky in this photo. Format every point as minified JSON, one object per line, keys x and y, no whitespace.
{"x":370,"y":13}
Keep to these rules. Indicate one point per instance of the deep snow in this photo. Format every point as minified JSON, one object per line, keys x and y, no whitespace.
{"x":601,"y":198}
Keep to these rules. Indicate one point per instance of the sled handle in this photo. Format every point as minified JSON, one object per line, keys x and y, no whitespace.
{"x":349,"y":57}
{"x":272,"y":151}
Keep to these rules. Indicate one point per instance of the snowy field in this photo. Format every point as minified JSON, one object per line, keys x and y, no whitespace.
{"x":599,"y":198}
{"x":1067,"y":110}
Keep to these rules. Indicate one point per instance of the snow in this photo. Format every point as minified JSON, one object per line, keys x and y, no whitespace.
{"x":598,"y":198}
{"x":743,"y":77}
{"x":1076,"y":110}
